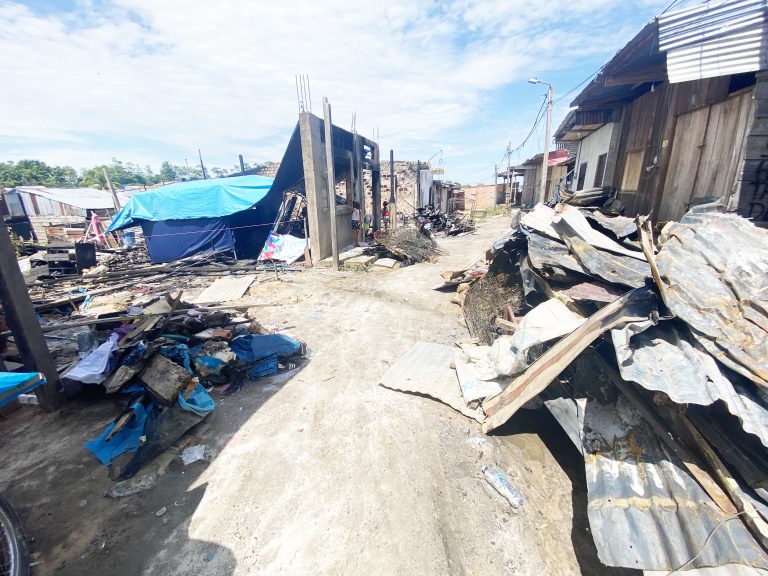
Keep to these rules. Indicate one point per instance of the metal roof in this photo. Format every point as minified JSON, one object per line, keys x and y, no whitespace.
{"x":646,"y":511}
{"x":669,"y":360}
{"x":715,"y":39}
{"x":84,"y":198}
{"x":718,"y":287}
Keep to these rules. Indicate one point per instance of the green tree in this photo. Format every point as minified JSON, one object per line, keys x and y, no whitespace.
{"x":168,"y":172}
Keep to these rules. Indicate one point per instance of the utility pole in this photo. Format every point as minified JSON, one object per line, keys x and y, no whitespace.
{"x":331,"y":180}
{"x":508,"y":195}
{"x":547,"y":134}
{"x":202,"y":166}
{"x":115,"y":199}
{"x":495,"y":179}
{"x":242,"y":165}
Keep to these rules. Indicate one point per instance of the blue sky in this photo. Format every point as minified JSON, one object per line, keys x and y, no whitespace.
{"x":146,"y":81}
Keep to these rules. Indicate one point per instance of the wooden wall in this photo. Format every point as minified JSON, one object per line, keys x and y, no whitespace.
{"x":753,"y":194}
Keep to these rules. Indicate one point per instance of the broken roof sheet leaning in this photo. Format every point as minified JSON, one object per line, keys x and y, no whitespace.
{"x":663,"y":359}
{"x":84,"y":198}
{"x":714,"y":268}
{"x":645,"y":510}
{"x":210,"y":198}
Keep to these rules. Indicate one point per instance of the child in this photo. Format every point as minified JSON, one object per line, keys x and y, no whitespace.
{"x":385,"y":215}
{"x":356,"y":221}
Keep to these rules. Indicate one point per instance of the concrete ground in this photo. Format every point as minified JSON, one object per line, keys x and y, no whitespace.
{"x":325,"y":473}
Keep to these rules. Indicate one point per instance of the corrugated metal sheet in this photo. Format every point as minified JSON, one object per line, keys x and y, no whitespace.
{"x":714,"y":39}
{"x":664,"y":359}
{"x":645,"y":510}
{"x":83,"y":198}
{"x":714,"y":269}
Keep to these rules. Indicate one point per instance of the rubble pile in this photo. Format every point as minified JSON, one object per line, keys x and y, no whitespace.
{"x":651,"y":351}
{"x":167,"y":338}
{"x":411,"y":245}
{"x":166,"y":360}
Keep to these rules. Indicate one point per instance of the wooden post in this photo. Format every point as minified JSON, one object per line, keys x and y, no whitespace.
{"x":331,"y":180}
{"x":115,"y":199}
{"x":202,"y":166}
{"x":418,"y":185}
{"x":392,"y":192}
{"x":20,"y":315}
{"x":242,"y":165}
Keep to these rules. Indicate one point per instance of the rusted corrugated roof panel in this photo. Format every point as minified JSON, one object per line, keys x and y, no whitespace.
{"x":714,"y":268}
{"x":645,"y":510}
{"x":665,"y":359}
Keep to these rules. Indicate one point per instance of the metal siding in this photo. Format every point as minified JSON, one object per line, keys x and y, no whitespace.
{"x":714,"y":40}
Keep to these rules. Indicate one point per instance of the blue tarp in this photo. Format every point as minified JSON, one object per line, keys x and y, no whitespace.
{"x":176,"y":239}
{"x":12,"y":384}
{"x":211,"y":198}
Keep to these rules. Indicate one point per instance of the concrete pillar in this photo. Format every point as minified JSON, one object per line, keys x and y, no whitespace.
{"x":316,"y":187}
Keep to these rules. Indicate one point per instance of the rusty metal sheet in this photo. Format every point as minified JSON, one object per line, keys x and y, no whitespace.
{"x":551,"y":258}
{"x":593,"y":292}
{"x":714,"y":268}
{"x":665,"y":359}
{"x":610,"y":267}
{"x":645,"y":510}
{"x":578,"y":225}
{"x":620,"y":226}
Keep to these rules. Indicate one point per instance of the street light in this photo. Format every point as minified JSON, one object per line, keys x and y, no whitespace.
{"x":545,"y":159}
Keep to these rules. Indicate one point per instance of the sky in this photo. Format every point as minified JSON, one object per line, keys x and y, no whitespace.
{"x":85,"y":81}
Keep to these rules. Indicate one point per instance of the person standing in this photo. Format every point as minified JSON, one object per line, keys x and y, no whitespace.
{"x":385,"y":215}
{"x":356,"y":221}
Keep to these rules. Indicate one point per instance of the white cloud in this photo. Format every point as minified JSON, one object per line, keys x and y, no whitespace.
{"x":139,"y":78}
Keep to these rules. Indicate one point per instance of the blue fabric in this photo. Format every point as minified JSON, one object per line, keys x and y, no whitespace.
{"x":255,"y":347}
{"x":199,"y":402}
{"x":128,"y":439}
{"x":266,"y":367}
{"x":176,"y":239}
{"x":211,"y":198}
{"x":12,"y":384}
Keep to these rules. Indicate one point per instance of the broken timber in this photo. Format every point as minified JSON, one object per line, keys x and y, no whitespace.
{"x":635,"y":306}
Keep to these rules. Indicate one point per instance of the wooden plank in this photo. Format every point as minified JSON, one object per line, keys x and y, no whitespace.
{"x":689,"y":139}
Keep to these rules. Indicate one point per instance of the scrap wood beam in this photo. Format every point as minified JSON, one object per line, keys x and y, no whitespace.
{"x":635,"y":306}
{"x":21,"y":318}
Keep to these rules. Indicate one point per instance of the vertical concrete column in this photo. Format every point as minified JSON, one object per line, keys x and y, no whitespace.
{"x":315,"y":182}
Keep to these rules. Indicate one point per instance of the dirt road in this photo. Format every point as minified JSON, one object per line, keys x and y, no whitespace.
{"x":327,"y":473}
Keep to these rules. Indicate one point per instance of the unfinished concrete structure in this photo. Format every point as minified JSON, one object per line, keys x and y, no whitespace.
{"x":304,"y":170}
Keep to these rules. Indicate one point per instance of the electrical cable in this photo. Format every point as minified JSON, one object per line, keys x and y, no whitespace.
{"x":706,"y":541}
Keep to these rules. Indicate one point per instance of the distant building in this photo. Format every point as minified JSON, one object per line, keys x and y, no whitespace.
{"x":30,"y":209}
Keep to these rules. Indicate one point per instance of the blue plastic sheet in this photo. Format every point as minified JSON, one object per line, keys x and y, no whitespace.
{"x":176,"y":239}
{"x":255,"y":347}
{"x":211,"y":198}
{"x":128,"y":439}
{"x":12,"y":384}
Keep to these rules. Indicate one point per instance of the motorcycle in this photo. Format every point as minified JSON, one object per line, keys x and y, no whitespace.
{"x":14,"y":554}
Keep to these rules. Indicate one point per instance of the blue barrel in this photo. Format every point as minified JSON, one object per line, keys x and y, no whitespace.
{"x":129,"y":239}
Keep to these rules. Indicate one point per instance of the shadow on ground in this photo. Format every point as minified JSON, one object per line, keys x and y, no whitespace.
{"x":58,"y":488}
{"x":543,"y":424}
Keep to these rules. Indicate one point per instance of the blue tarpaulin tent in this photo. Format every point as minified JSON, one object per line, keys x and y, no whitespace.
{"x":186,"y":218}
